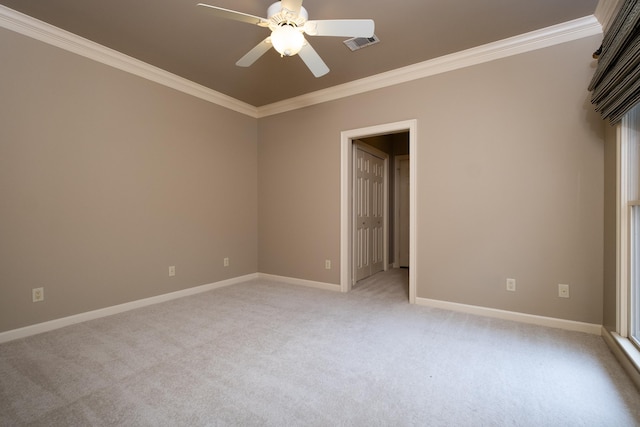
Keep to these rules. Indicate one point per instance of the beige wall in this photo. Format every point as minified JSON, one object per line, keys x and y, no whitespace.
{"x":510,"y":183}
{"x":106,"y":179}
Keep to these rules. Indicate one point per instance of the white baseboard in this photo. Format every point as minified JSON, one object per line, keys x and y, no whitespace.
{"x":626,"y":353}
{"x":552,"y":322}
{"x":120,"y":308}
{"x":300,"y":282}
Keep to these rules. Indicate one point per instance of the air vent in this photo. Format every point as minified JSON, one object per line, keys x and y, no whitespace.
{"x":360,"y":42}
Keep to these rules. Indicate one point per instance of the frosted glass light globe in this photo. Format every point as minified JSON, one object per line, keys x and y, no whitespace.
{"x":287,"y":40}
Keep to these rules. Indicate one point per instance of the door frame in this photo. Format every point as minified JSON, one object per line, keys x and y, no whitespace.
{"x":396,"y":208}
{"x":346,"y":207}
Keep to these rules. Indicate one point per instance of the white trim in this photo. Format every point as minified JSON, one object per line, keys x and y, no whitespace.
{"x":570,"y":325}
{"x":561,"y":33}
{"x":36,"y":29}
{"x":120,"y":308}
{"x":300,"y":282}
{"x":622,"y":227}
{"x":606,"y":10}
{"x":413,"y":211}
{"x":557,"y":34}
{"x":627,"y":146}
{"x":346,"y":215}
{"x":626,"y":353}
{"x":346,"y":226}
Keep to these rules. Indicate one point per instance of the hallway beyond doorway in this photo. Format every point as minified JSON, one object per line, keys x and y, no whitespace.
{"x":390,"y":284}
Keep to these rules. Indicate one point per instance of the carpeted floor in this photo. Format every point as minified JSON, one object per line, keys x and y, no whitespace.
{"x":267,"y":353}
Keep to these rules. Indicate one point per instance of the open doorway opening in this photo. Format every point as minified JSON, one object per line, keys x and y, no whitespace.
{"x":379,"y":137}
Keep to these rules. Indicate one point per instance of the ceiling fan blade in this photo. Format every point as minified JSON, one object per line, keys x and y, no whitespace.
{"x":255,"y":53}
{"x":313,"y":60}
{"x":340,"y":27}
{"x":292,"y":6}
{"x":236,"y":16}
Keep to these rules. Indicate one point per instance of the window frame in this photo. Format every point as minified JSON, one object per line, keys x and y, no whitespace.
{"x":628,"y":200}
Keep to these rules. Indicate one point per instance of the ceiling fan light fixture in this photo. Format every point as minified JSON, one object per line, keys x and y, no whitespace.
{"x":287,"y":40}
{"x":288,"y":21}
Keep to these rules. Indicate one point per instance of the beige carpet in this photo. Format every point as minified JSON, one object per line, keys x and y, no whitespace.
{"x":266,"y":353}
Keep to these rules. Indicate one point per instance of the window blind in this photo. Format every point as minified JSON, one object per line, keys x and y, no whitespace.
{"x":615,"y":85}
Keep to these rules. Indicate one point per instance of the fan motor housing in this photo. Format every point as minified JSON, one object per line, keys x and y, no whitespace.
{"x":279,"y":17}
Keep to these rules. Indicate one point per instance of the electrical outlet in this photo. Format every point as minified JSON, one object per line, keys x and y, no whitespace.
{"x":511,"y":285}
{"x":225,"y":262}
{"x":327,"y":264}
{"x":172,"y":270}
{"x":37,"y":294}
{"x":563,"y":291}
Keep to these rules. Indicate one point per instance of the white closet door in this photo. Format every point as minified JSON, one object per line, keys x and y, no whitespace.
{"x":369,"y":209}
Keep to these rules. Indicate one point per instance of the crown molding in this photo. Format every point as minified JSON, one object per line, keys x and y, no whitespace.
{"x":557,"y":34}
{"x":47,"y":33}
{"x":606,"y":11}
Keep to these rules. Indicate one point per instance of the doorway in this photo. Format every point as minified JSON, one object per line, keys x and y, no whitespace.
{"x":347,"y":226}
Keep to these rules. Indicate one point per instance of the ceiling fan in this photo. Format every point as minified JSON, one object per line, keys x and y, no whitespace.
{"x":287,"y":20}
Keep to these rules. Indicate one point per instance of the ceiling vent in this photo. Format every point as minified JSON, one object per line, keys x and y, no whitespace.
{"x":360,"y":42}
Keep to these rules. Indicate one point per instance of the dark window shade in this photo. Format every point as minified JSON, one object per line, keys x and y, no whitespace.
{"x":616,"y":83}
